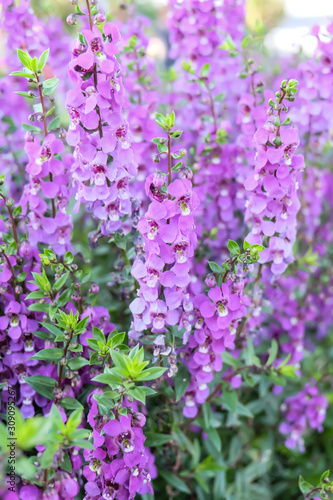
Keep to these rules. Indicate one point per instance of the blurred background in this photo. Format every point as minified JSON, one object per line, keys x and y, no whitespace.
{"x":285,"y":24}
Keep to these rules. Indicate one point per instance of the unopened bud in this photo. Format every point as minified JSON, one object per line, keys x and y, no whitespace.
{"x":100,"y":18}
{"x":71,"y":20}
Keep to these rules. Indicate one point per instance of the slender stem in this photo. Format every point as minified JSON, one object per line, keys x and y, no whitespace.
{"x":12,"y":220}
{"x":169,"y":160}
{"x":279,"y":114}
{"x":138,"y":73}
{"x":309,"y":495}
{"x":211,"y":101}
{"x":89,"y":14}
{"x":13,"y":275}
{"x":41,"y":97}
{"x":100,"y":130}
{"x":226,"y":273}
{"x":45,"y":478}
{"x":61,"y":372}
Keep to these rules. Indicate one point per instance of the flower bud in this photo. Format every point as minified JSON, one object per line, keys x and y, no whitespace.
{"x":71,"y":20}
{"x":100,"y":18}
{"x":29,"y":136}
{"x":210,"y":280}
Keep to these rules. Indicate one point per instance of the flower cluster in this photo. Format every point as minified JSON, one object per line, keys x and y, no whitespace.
{"x":167,"y":229}
{"x":273,"y":204}
{"x":119,"y":466}
{"x":307,"y":409}
{"x":98,"y":132}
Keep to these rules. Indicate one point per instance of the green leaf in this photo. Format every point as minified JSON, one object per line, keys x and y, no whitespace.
{"x":163,"y":148}
{"x":219,"y":97}
{"x":120,"y":360}
{"x":52,"y":328}
{"x":177,"y":167}
{"x":98,"y":335}
{"x":51,"y":354}
{"x":230,"y":399}
{"x":214,"y":438}
{"x":160,"y":120}
{"x":207,"y":414}
{"x":93,"y":344}
{"x":39,"y":307}
{"x":34,"y":63}
{"x":215,"y":267}
{"x":233,"y":247}
{"x":205,"y":70}
{"x":108,"y":378}
{"x":22,"y":74}
{"x":324,"y":475}
{"x":151,"y":373}
{"x":68,"y":257}
{"x":276,"y":379}
{"x":153,"y":439}
{"x":210,"y":465}
{"x":115,"y":340}
{"x":43,"y":335}
{"x":61,"y":281}
{"x":70,"y":404}
{"x":21,"y":277}
{"x":273,"y":352}
{"x":246,"y":245}
{"x":175,"y":481}
{"x":50,"y":111}
{"x":35,"y":295}
{"x":25,"y":58}
{"x":304,"y":486}
{"x":77,"y":363}
{"x":24,"y":94}
{"x":42,"y":385}
{"x":245,"y":41}
{"x":49,"y":86}
{"x":12,"y":248}
{"x":229,"y":360}
{"x":27,"y":126}
{"x":43,"y":59}
{"x":137,"y":393}
{"x":66,"y":464}
{"x":288,"y":371}
{"x":74,"y":420}
{"x":81,"y":443}
{"x":182,"y":380}
{"x":55,"y":123}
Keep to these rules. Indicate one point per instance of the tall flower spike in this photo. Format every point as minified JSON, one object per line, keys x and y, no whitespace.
{"x":273,"y":204}
{"x":104,"y":161}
